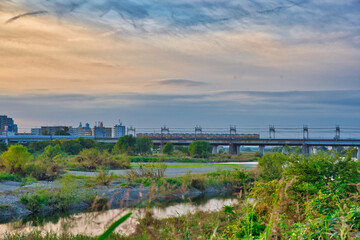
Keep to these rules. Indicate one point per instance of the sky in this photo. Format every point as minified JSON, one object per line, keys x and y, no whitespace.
{"x":181,"y":63}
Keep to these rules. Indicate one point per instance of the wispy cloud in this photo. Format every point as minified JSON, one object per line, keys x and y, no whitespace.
{"x":180,"y":83}
{"x":111,"y":57}
{"x":25,"y":15}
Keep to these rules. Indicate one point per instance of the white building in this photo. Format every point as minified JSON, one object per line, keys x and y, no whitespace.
{"x":36,"y":131}
{"x":119,"y":130}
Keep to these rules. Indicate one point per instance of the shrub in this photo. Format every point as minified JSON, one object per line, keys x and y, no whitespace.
{"x":57,"y":199}
{"x":10,"y":177}
{"x":51,"y":151}
{"x":104,"y":178}
{"x":199,"y":183}
{"x":15,"y":158}
{"x":42,"y":170}
{"x":100,"y":203}
{"x":325,"y":172}
{"x":152,"y":170}
{"x":41,"y":145}
{"x":272,"y":166}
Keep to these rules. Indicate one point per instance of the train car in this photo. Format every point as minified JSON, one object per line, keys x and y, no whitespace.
{"x":198,"y":136}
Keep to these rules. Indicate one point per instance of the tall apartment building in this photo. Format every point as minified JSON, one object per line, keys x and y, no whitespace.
{"x":7,"y":125}
{"x":82,"y":131}
{"x":119,"y":130}
{"x":36,"y":131}
{"x":99,"y":131}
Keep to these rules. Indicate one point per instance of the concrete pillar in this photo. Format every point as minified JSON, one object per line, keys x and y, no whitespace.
{"x":358,"y":152}
{"x":310,"y":150}
{"x":283,"y":149}
{"x":6,"y":141}
{"x":215,"y":149}
{"x":238,"y":149}
{"x":262,"y":149}
{"x":314,"y":150}
{"x":161,"y":147}
{"x":232,"y":149}
{"x":305,"y":149}
{"x":335,"y":149}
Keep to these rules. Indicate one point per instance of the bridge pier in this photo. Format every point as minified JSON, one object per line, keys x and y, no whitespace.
{"x":358,"y":152}
{"x":238,"y":149}
{"x":232,"y":149}
{"x":314,"y":150}
{"x":306,"y":150}
{"x":262,"y":149}
{"x":335,"y":149}
{"x":215,"y":149}
{"x":7,"y":141}
{"x":161,"y":147}
{"x":283,"y":149}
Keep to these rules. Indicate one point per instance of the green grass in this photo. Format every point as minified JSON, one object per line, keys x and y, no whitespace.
{"x":193,"y":165}
{"x":4,"y":207}
{"x":5,"y":176}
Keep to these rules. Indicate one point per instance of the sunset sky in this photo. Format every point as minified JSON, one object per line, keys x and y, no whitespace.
{"x":180,"y":63}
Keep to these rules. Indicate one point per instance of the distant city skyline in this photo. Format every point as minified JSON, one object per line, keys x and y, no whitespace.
{"x":180,"y":63}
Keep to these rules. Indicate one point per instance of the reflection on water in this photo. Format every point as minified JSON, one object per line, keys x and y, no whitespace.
{"x":95,"y":223}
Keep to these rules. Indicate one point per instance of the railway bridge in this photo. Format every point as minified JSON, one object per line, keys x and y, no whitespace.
{"x":232,"y":139}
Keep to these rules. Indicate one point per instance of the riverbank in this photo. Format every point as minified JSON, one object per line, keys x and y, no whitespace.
{"x":108,"y":191}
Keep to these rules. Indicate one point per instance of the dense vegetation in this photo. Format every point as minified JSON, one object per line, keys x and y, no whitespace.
{"x":293,"y":197}
{"x":288,"y":196}
{"x":46,"y":160}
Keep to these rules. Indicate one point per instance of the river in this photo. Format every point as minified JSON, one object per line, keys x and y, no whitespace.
{"x":94,"y":223}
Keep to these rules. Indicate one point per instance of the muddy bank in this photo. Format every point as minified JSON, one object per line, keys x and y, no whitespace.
{"x":11,"y":209}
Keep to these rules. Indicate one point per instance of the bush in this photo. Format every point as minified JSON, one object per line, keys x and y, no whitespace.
{"x":41,"y":145}
{"x":51,"y":151}
{"x":42,"y":170}
{"x":15,"y":158}
{"x":272,"y":166}
{"x":325,"y":172}
{"x":5,"y":176}
{"x":91,"y":159}
{"x":57,"y":199}
{"x":151,"y":170}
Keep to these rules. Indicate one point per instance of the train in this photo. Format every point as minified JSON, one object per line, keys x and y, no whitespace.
{"x":199,"y":136}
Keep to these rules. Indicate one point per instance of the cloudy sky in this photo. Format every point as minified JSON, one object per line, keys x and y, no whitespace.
{"x":180,"y":63}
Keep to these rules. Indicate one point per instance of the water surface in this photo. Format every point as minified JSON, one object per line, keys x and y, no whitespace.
{"x":94,"y":223}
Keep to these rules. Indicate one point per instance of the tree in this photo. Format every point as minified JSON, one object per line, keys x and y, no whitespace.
{"x":126,"y":144}
{"x":3,"y":147}
{"x":63,"y":132}
{"x":15,"y":158}
{"x":72,"y":147}
{"x":87,"y":143}
{"x":200,"y":149}
{"x":45,"y":133}
{"x":168,"y":148}
{"x":143,"y":145}
{"x":51,"y":151}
